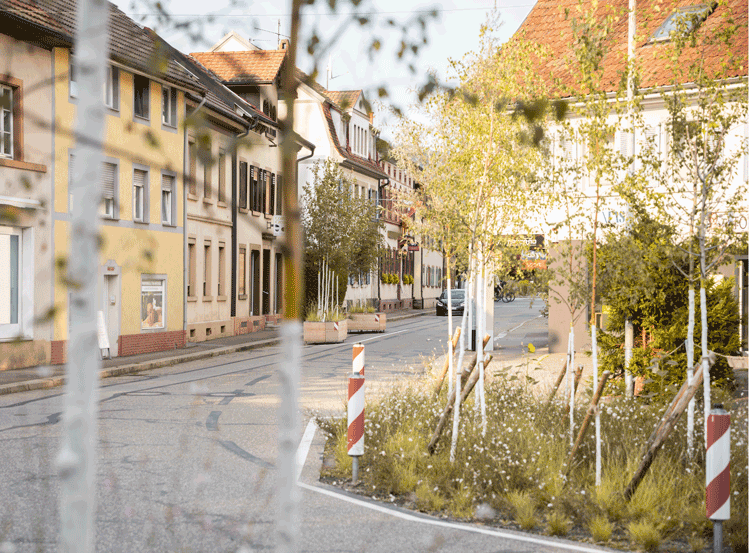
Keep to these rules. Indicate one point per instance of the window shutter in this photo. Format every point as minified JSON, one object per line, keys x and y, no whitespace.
{"x":139,"y":178}
{"x":108,"y":181}
{"x":166,"y":183}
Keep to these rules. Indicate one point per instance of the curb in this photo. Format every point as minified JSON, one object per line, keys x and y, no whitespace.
{"x":57,"y":381}
{"x":43,"y":383}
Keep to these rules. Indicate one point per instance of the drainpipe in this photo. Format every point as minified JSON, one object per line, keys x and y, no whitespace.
{"x":233,"y":303}
{"x":380,"y":187}
{"x":186,"y":171}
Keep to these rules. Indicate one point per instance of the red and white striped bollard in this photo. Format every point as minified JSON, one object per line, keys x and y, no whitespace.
{"x":717,"y":471}
{"x":358,"y":359}
{"x":355,"y":443}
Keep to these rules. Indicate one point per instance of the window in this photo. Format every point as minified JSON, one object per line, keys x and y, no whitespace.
{"x":222,"y":273}
{"x":207,"y":269}
{"x":207,"y":179}
{"x":683,"y":20}
{"x":73,"y":82}
{"x":192,"y":160}
{"x":140,"y":191}
{"x":167,"y":200}
{"x":272,"y":196}
{"x":256,"y":176}
{"x":222,"y":177}
{"x":255,"y":282}
{"x":191,"y":292}
{"x":112,"y":88}
{"x":6,"y":121}
{"x":141,"y":86}
{"x":109,"y":185}
{"x":169,"y":106}
{"x":279,"y":197}
{"x":243,"y":184}
{"x":10,"y":277}
{"x":153,"y":293}
{"x":241,"y":267}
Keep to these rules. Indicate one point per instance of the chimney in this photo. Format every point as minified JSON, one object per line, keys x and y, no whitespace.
{"x":283,"y":44}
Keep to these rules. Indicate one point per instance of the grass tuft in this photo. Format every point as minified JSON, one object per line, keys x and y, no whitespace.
{"x":523,"y":509}
{"x":558,"y":524}
{"x":600,"y":528}
{"x":646,"y":534}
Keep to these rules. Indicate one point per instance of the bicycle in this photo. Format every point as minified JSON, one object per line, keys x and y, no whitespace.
{"x":504,"y":294}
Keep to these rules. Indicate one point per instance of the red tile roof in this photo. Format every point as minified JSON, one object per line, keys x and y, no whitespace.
{"x":130,"y":44}
{"x":360,"y":163}
{"x":251,"y":67}
{"x":344,"y":98}
{"x":547,"y":25}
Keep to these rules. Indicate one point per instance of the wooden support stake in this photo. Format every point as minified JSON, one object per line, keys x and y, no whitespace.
{"x":557,"y":383}
{"x":665,"y":427}
{"x":446,"y":364}
{"x":587,"y":419}
{"x":579,"y":372}
{"x":465,"y":373}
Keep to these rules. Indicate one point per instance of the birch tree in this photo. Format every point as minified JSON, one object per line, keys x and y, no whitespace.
{"x":479,"y":154}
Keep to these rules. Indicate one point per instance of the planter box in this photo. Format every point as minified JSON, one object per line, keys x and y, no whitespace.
{"x":367,"y":322}
{"x":324,"y":332}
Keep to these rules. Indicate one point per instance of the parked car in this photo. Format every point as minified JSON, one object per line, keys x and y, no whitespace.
{"x":458,"y":298}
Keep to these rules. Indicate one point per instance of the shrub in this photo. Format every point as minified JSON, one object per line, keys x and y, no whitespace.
{"x":557,"y":524}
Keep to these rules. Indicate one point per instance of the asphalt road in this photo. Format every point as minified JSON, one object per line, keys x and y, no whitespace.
{"x":187,"y":455}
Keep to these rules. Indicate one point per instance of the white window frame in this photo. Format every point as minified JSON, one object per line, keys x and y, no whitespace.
{"x":140,"y":196}
{"x":109,"y":205}
{"x":167,"y":198}
{"x":23,"y":327}
{"x":6,"y":135}
{"x":154,"y":284}
{"x":168,"y":106}
{"x":112,"y":88}
{"x":146,"y":98}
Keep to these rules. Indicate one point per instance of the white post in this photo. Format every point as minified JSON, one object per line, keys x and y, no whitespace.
{"x":480,"y":341}
{"x":597,"y":419}
{"x":450,"y":337}
{"x":76,"y":461}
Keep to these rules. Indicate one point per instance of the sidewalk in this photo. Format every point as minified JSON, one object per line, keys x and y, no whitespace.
{"x":50,"y":376}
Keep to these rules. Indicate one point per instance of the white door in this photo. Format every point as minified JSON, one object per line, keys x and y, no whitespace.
{"x":111,"y":309}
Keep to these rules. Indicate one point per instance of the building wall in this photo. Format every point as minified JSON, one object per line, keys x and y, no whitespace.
{"x":143,"y":261}
{"x":25,"y":199}
{"x":209,"y":231}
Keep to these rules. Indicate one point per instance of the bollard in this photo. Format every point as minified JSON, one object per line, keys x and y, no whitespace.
{"x":355,"y":444}
{"x":358,"y":359}
{"x":717,"y":471}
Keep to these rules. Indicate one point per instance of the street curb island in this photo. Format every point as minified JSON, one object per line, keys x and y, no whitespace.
{"x":132,"y":368}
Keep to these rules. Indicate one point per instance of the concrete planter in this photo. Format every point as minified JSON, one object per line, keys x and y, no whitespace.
{"x":324,"y":332}
{"x":367,"y":322}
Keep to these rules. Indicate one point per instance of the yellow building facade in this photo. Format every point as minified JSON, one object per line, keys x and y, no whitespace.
{"x":141,"y":213}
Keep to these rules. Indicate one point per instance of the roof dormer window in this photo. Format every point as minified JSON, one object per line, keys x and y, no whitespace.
{"x":683,"y":20}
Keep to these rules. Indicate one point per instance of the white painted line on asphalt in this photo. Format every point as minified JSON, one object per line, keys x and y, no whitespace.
{"x":451,"y":525}
{"x":304,"y":446}
{"x":504,"y":334}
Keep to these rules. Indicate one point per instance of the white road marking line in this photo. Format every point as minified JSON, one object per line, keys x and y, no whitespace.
{"x":385,"y":335}
{"x":504,"y":334}
{"x":304,"y":446}
{"x":451,"y":525}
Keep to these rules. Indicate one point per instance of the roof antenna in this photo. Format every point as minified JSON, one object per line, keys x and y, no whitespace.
{"x":278,"y":32}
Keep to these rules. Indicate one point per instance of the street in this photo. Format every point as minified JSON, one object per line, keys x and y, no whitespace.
{"x":187,"y":453}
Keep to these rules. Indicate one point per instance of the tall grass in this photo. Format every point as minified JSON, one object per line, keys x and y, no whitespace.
{"x":519,"y":467}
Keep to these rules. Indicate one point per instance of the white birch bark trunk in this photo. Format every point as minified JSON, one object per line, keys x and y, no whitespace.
{"x":628,"y":358}
{"x":450,"y":337}
{"x":597,"y":419}
{"x":571,"y":387}
{"x":76,"y":462}
{"x":461,"y":350}
{"x":690,"y":365}
{"x":704,"y":362}
{"x":482,"y":297}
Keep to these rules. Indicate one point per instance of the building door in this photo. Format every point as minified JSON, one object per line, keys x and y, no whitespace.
{"x":279,"y":283}
{"x":111,"y":310}
{"x":266,"y":282}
